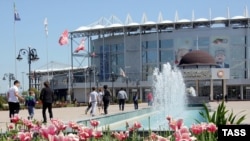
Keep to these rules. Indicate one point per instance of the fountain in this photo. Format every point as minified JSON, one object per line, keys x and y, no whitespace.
{"x":170,"y":99}
{"x":169,"y":90}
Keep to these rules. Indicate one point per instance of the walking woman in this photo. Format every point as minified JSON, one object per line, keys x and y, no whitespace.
{"x":46,"y":96}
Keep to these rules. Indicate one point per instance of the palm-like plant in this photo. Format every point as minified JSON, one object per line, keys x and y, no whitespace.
{"x":222,"y":116}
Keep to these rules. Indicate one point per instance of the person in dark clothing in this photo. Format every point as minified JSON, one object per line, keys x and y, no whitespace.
{"x":135,"y":99}
{"x":46,"y":96}
{"x":106,"y":99}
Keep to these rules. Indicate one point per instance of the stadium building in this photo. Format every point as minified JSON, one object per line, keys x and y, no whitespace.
{"x":126,"y":54}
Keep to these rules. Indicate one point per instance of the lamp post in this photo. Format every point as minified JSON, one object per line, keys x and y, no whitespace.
{"x":32,"y":56}
{"x":89,"y":69}
{"x":127,"y":85}
{"x":10,"y":76}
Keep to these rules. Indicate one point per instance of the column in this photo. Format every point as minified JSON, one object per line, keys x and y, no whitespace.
{"x":141,"y":93}
{"x":241,"y":92}
{"x":211,"y":90}
{"x":224,"y":85}
{"x":197,"y":87}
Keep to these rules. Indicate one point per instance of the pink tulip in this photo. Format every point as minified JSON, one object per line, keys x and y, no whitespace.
{"x":211,"y":127}
{"x":97,"y":134}
{"x":73,"y":125}
{"x":176,"y":125}
{"x":137,"y":125}
{"x":121,"y":136}
{"x":11,"y":126}
{"x":196,"y":129}
{"x":15,"y":119}
{"x":28,"y":123}
{"x":24,"y":136}
{"x":73,"y":137}
{"x":94,"y":123}
{"x":58,"y":124}
{"x":46,"y":131}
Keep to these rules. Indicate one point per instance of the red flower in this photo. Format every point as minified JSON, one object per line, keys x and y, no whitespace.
{"x":73,"y":125}
{"x":24,"y":136}
{"x":121,"y":136}
{"x":11,"y":126}
{"x":196,"y":129}
{"x":211,"y":127}
{"x":97,"y":134}
{"x":15,"y":119}
{"x":94,"y":123}
{"x":58,"y":124}
{"x":176,"y":125}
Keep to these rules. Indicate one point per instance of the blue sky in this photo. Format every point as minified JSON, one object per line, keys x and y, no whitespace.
{"x":71,"y":14}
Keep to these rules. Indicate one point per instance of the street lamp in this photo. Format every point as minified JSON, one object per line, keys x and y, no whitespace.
{"x":10,"y":76}
{"x":89,"y":70}
{"x":127,"y":85}
{"x":32,"y":56}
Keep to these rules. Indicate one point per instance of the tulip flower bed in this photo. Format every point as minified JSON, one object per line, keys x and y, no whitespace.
{"x":27,"y":130}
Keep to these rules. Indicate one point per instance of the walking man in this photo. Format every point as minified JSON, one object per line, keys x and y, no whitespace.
{"x":13,"y":99}
{"x":122,"y":96}
{"x":135,"y":99}
{"x":106,"y":99}
{"x":93,"y":100}
{"x":46,"y":96}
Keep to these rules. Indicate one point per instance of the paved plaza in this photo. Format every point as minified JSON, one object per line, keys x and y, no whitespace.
{"x":77,"y":113}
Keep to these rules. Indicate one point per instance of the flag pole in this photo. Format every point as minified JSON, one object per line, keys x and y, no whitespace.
{"x":14,"y":35}
{"x":47,"y":52}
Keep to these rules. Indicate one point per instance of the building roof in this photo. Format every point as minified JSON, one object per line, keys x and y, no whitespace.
{"x":197,"y":57}
{"x":56,"y":67}
{"x":114,"y":24}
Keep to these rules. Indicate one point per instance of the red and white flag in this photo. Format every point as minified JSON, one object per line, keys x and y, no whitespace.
{"x":81,"y":46}
{"x":122,"y":73}
{"x":63,"y":40}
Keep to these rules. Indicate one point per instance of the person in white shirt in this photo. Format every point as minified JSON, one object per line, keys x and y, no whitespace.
{"x":122,"y":96}
{"x":13,"y":99}
{"x":93,"y":97}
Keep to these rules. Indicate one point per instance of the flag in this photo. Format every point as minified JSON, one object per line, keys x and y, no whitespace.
{"x":46,"y":26}
{"x":16,"y":14}
{"x":63,"y":40}
{"x":122,"y":73}
{"x":81,"y":46}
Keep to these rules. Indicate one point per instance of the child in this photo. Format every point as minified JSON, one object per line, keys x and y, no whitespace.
{"x":30,"y":103}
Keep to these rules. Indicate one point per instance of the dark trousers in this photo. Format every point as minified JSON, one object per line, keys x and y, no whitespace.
{"x":136,"y":104}
{"x":121,"y":104}
{"x":88,"y":108}
{"x":14,"y":108}
{"x":45,"y":107}
{"x":105,"y":106}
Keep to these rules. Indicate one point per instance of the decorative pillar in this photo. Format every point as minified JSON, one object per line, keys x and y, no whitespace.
{"x":197,"y":87}
{"x":224,"y":85}
{"x":211,"y":90}
{"x":241,"y":92}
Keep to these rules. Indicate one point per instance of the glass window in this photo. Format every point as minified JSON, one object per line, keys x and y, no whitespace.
{"x":149,"y":45}
{"x":149,"y":56}
{"x":168,"y":43}
{"x":237,"y":52}
{"x":166,"y":56}
{"x":202,"y":42}
{"x":237,"y":40}
{"x":120,"y":47}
